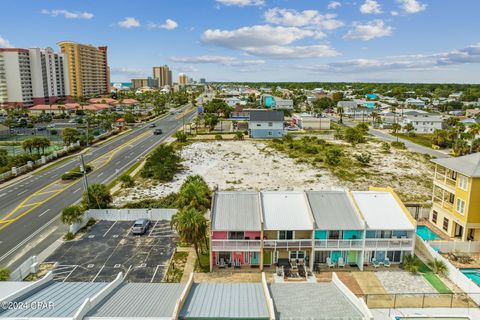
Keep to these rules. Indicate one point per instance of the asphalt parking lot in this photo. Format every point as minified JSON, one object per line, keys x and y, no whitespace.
{"x":109,"y":247}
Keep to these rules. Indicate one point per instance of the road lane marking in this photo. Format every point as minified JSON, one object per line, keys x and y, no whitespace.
{"x":28,"y":238}
{"x":4,"y":222}
{"x":3,"y":194}
{"x":19,"y":194}
{"x":100,"y":174}
{"x":41,"y":214}
{"x":76,"y":190}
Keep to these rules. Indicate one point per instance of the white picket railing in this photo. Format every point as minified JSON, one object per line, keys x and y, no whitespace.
{"x":236,"y":245}
{"x":395,"y":244}
{"x":456,"y":246}
{"x":294,"y":244}
{"x":339,"y":244}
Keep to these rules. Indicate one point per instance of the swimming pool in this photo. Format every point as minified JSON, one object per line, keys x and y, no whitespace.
{"x":426,"y":233}
{"x":472,"y":273}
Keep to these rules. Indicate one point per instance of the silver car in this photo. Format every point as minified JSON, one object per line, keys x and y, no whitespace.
{"x":140,"y":226}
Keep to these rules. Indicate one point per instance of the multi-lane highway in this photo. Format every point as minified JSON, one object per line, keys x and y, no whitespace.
{"x":32,"y":205}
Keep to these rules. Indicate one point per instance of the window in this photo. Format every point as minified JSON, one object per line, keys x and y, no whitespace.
{"x":270,"y":124}
{"x":297,"y":255}
{"x":460,"y":206}
{"x":434,"y":216}
{"x":285,"y":235}
{"x":334,"y":234}
{"x":445,"y":224}
{"x":454,"y":175}
{"x":451,"y":198}
{"x":236,"y":235}
{"x":259,"y":124}
{"x":463,"y":183}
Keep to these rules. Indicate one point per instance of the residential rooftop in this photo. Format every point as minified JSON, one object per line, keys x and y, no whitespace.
{"x":239,"y":211}
{"x":286,"y":211}
{"x":468,"y":165}
{"x":334,"y":210}
{"x":266,"y":115}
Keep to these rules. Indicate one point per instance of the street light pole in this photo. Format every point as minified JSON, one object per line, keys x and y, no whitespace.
{"x":85,"y":181}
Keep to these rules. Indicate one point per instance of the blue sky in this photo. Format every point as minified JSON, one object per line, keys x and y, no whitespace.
{"x":263,"y":40}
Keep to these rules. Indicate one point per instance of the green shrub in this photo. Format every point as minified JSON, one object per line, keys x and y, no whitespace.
{"x":97,"y":196}
{"x":91,"y":221}
{"x":218,"y":137}
{"x":75,"y":173}
{"x":438,"y":267}
{"x":239,"y":135}
{"x":127,"y":181}
{"x":333,"y":156}
{"x":364,"y":158}
{"x":72,"y":214}
{"x":4,"y":274}
{"x":398,"y":145}
{"x":162,"y":164}
{"x":354,"y":136}
{"x":168,"y":201}
{"x":180,"y":136}
{"x":385,"y":147}
{"x":68,"y":236}
{"x":411,"y":263}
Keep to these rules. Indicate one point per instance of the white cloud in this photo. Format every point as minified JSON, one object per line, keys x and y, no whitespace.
{"x":268,"y":41}
{"x":294,"y":18}
{"x":186,"y":69}
{"x":254,"y":36}
{"x":411,"y":6}
{"x":4,"y":43}
{"x":128,"y":23}
{"x":68,"y":14}
{"x":211,"y":59}
{"x":368,"y":31}
{"x":371,"y":6}
{"x":419,"y":62}
{"x":169,"y":25}
{"x":334,"y":5}
{"x":242,"y":3}
{"x":394,"y":13}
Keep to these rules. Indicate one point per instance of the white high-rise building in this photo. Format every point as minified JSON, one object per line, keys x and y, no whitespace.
{"x":15,"y":78}
{"x":32,"y":76}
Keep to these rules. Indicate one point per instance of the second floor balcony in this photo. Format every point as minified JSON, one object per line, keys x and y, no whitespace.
{"x":292,"y":244}
{"x":389,"y":244}
{"x":236,"y":245}
{"x":339,"y":244}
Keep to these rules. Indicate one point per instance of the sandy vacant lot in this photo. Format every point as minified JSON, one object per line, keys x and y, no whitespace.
{"x":252,"y":165}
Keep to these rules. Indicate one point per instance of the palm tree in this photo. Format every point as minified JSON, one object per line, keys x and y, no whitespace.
{"x":194,"y":193}
{"x":438,"y":267}
{"x":411,"y":263}
{"x":191,"y":227}
{"x":340,"y":112}
{"x":27,"y":145}
{"x":473,"y":130}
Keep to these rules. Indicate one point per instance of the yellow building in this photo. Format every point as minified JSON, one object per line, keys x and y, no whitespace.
{"x":88,"y":71}
{"x":182,"y":78}
{"x":456,"y":197}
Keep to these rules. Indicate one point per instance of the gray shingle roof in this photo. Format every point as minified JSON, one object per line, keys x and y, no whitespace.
{"x":322,"y":301}
{"x":226,"y":301}
{"x":468,"y":165}
{"x":333,"y":210}
{"x":66,"y":298}
{"x":236,"y":211}
{"x":137,"y":300}
{"x":260,"y":115}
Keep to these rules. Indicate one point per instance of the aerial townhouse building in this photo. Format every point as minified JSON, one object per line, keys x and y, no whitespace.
{"x":88,"y":70}
{"x":456,"y":197}
{"x":316,"y":229}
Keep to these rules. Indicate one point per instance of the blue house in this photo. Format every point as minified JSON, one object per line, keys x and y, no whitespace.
{"x":265,"y":124}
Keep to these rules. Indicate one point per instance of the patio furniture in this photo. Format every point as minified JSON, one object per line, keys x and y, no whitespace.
{"x":237,"y":264}
{"x":222,"y":263}
{"x":386,"y":262}
{"x":341,"y":262}
{"x":330,"y":263}
{"x":375,"y":263}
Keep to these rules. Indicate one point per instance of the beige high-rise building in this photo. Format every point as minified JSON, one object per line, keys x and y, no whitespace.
{"x":88,"y":71}
{"x":163,"y":74}
{"x":182,"y":78}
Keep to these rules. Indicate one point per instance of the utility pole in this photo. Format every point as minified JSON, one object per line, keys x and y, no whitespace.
{"x":85,"y":181}
{"x":87,"y":133}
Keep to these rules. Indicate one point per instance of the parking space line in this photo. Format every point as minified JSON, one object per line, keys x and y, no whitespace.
{"x":109,"y":229}
{"x":98,"y":273}
{"x":125,"y":276}
{"x":153,"y":228}
{"x":155,"y":273}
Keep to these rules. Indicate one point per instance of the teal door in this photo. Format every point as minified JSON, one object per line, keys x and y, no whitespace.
{"x":335,"y":255}
{"x":254,"y":258}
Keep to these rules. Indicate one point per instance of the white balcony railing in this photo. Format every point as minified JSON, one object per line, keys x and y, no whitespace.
{"x":294,"y":244}
{"x":339,"y":244}
{"x":397,"y":244}
{"x":236,"y":245}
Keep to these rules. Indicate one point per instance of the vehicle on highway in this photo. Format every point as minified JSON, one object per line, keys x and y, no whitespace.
{"x":51,"y":125}
{"x":157,"y":131}
{"x":140,"y":226}
{"x":152,"y":125}
{"x":41,"y":128}
{"x":72,"y":121}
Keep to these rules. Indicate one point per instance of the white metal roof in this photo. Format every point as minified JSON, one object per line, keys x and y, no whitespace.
{"x":286,"y":211}
{"x":381,"y":211}
{"x":236,"y":211}
{"x":9,"y":287}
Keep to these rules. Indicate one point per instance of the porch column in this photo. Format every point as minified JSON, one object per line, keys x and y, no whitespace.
{"x":210,"y":252}
{"x":261,"y":249}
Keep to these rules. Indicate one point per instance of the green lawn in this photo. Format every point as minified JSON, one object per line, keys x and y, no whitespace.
{"x":205,"y":260}
{"x":433,"y":279}
{"x":421,"y":139}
